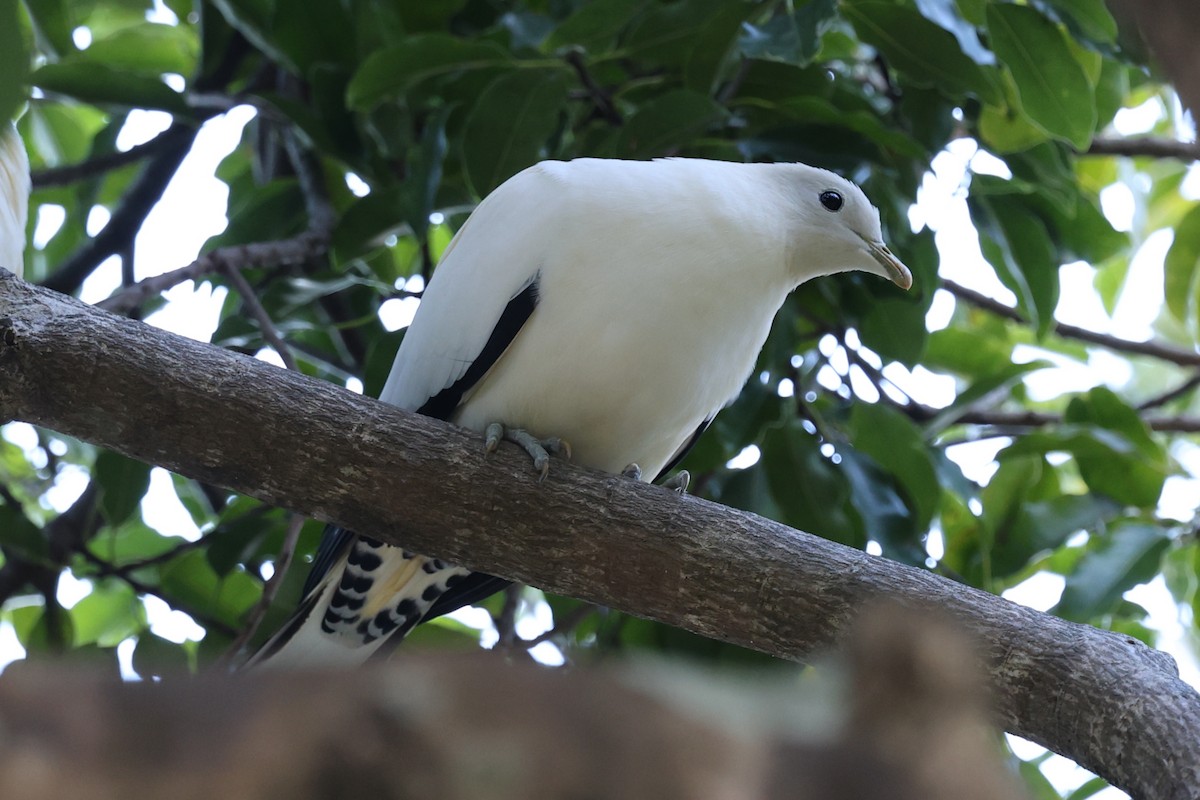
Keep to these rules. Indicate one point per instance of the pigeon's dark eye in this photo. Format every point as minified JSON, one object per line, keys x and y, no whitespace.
{"x":831,"y":200}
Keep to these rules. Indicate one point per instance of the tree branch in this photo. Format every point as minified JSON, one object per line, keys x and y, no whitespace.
{"x":243,"y":256}
{"x":97,"y":165}
{"x":1024,"y":420}
{"x":125,"y":222}
{"x":1106,"y":700}
{"x":1145,"y":146}
{"x":601,"y":98}
{"x":1166,"y":352}
{"x":312,"y":243}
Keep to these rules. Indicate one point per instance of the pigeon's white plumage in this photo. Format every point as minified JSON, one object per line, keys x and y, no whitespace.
{"x":14,"y":199}
{"x":616,"y":304}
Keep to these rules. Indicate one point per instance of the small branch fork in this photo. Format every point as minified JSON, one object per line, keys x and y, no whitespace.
{"x":312,"y":243}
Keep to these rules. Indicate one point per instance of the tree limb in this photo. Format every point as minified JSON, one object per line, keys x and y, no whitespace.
{"x":1151,"y":146}
{"x":97,"y":165}
{"x":1166,"y":352}
{"x":1106,"y":700}
{"x":125,"y":222}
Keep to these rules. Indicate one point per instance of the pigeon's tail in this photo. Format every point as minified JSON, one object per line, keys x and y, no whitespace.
{"x":369,"y":598}
{"x":14,"y":199}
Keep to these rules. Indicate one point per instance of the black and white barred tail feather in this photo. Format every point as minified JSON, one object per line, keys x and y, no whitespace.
{"x":371,"y":596}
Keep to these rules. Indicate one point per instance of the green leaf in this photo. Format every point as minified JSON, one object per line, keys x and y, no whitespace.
{"x":103,"y":85}
{"x":14,"y":60}
{"x":155,"y":657}
{"x":1089,"y":789}
{"x":149,"y":49}
{"x":1018,"y":245}
{"x":123,"y":482}
{"x":192,"y":582}
{"x":895,"y":329}
{"x":594,"y":26}
{"x":1101,"y":406}
{"x":1054,"y":90}
{"x":1003,"y":126}
{"x":814,"y":110}
{"x":665,"y":123}
{"x":885,"y":517}
{"x":1129,"y":556}
{"x":945,"y":15}
{"x":1109,"y":462}
{"x":510,"y":125}
{"x":893,"y":441}
{"x":1090,"y":17}
{"x":1182,"y":269}
{"x":109,"y":614}
{"x":967,"y":351}
{"x":20,"y":534}
{"x":54,"y":20}
{"x":33,"y":629}
{"x":806,"y":489}
{"x":712,"y":45}
{"x":132,"y":541}
{"x":370,"y":220}
{"x":668,"y":33}
{"x":389,"y":73}
{"x":926,"y":53}
{"x":1041,"y":526}
{"x":323,"y":34}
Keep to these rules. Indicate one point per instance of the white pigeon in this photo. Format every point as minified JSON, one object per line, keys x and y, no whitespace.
{"x":618,"y":305}
{"x":14,"y":199}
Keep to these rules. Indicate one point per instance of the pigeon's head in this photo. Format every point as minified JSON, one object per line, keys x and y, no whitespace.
{"x":837,"y":229}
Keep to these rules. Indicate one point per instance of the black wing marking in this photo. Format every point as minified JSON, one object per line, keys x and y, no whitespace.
{"x":684,"y":449}
{"x":516,"y":313}
{"x":441,"y":406}
{"x":469,"y":590}
{"x":334,"y":543}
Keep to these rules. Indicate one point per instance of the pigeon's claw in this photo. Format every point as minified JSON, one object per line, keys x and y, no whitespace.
{"x":539,"y":450}
{"x":679,"y":482}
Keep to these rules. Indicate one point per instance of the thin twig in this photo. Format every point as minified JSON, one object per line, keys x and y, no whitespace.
{"x":600,"y":97}
{"x":1153,"y":147}
{"x":244,"y":256}
{"x":1174,"y":394}
{"x":97,"y":165}
{"x":184,"y":547}
{"x":256,"y":614}
{"x":506,"y":620}
{"x":1166,"y":352}
{"x":562,"y":627}
{"x":265,"y":323}
{"x":730,"y":89}
{"x":107,"y":570}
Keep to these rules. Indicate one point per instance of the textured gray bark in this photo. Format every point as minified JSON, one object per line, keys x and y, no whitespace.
{"x":1105,"y":700}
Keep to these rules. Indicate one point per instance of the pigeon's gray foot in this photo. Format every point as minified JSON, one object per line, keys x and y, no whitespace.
{"x":539,"y":450}
{"x":633,"y":472}
{"x":679,"y":482}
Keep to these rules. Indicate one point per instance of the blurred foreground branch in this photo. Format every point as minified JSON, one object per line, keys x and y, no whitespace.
{"x":1106,"y":700}
{"x":459,"y":728}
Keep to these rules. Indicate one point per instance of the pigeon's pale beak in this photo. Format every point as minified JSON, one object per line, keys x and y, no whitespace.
{"x":893,"y":267}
